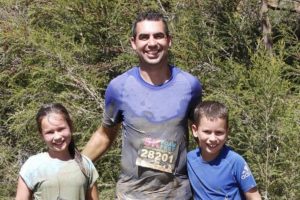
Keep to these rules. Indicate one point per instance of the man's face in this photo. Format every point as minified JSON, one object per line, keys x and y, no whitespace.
{"x":151,"y":43}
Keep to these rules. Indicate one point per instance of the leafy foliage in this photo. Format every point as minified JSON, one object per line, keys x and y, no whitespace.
{"x":68,"y":51}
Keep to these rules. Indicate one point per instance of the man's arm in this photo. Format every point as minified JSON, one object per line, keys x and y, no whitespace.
{"x":100,"y":141}
{"x":252,"y":194}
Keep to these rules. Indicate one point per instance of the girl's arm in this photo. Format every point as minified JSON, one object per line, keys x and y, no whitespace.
{"x":252,"y":194}
{"x":23,"y":192}
{"x":92,"y":193}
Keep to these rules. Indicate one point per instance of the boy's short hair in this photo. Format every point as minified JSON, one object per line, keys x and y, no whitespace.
{"x":210,"y":110}
{"x":151,"y":16}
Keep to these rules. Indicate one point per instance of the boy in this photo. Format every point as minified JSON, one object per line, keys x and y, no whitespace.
{"x":215,"y":171}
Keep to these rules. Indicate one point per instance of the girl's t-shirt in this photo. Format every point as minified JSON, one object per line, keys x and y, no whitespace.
{"x":50,"y":178}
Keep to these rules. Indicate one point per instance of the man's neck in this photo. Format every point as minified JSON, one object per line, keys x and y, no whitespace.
{"x":155,"y":75}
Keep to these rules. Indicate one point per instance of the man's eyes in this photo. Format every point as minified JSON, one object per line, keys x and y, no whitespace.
{"x":143,"y":37}
{"x":159,"y":36}
{"x":155,"y":36}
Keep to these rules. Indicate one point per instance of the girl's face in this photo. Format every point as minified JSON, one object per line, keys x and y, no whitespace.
{"x":57,"y":135}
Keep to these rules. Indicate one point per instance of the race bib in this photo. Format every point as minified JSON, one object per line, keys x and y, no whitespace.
{"x":157,"y":154}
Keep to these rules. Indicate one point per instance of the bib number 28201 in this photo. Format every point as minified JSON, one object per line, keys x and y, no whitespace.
{"x":157,"y":154}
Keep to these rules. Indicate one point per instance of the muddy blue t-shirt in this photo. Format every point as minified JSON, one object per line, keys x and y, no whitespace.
{"x":50,"y":178}
{"x":154,"y":133}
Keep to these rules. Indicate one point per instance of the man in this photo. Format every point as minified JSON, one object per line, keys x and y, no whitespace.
{"x":153,"y":101}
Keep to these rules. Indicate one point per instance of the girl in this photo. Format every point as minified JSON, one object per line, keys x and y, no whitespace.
{"x":61,"y":172}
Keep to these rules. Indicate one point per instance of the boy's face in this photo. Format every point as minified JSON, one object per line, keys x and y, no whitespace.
{"x":212,"y":135}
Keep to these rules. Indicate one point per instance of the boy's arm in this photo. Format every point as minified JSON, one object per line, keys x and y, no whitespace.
{"x":252,"y":194}
{"x":23,"y":192}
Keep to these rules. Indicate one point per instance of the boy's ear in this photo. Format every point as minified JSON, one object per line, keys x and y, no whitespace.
{"x":227,"y":133}
{"x":195,"y":130}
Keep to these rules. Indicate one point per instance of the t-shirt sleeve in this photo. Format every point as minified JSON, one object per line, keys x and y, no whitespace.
{"x":196,"y":97}
{"x":244,"y":175}
{"x":26,"y":173}
{"x":112,"y":113}
{"x":93,"y":174}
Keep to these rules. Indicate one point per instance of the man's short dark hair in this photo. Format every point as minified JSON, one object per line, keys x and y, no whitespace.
{"x":151,"y":16}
